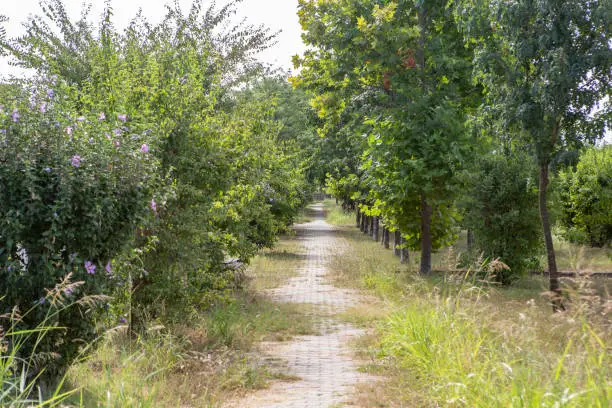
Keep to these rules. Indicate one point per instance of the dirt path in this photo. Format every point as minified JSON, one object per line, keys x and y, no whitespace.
{"x":327,"y":373}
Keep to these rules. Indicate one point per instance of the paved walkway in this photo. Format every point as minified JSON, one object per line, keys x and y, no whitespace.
{"x":327,"y":373}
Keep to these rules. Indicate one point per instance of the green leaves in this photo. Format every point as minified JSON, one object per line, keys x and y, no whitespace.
{"x":586,"y":197}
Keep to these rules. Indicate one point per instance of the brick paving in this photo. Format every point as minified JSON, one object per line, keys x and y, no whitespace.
{"x":323,"y":363}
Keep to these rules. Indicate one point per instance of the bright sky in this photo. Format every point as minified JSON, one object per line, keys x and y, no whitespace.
{"x":275,"y":14}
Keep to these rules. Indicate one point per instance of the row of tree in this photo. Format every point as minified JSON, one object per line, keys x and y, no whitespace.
{"x":443,"y":106}
{"x":135,"y":166}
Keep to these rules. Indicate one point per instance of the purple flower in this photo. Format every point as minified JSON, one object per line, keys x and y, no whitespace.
{"x":153,"y":206}
{"x":15,"y":115}
{"x":122,"y":117}
{"x":76,"y":160}
{"x":68,"y":291}
{"x":3,"y":131}
{"x":144,"y":148}
{"x":72,"y":257}
{"x":69,"y":130}
{"x":108,"y":268}
{"x":91,"y":268}
{"x":81,"y":119}
{"x":41,"y":301}
{"x":117,"y":143}
{"x":50,"y":93}
{"x":118,"y":132}
{"x":43,"y":107}
{"x":102,"y":116}
{"x":47,"y":170}
{"x":123,"y":319}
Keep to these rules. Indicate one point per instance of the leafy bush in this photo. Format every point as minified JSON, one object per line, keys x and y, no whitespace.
{"x":147,"y":155}
{"x":72,"y":191}
{"x":501,"y":209}
{"x":586,"y":198}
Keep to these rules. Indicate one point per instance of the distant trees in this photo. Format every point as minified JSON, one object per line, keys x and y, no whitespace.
{"x":545,"y":65}
{"x":401,"y":73}
{"x":428,"y":87}
{"x":586,"y":198}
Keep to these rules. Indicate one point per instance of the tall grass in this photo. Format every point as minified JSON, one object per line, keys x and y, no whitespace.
{"x":201,"y":363}
{"x":450,"y":341}
{"x":19,"y":376}
{"x":474,"y":355}
{"x":23,"y":380}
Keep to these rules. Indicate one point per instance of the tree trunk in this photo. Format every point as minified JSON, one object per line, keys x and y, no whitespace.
{"x":426,"y":238}
{"x":470,"y":239}
{"x":404,"y":253}
{"x":397,"y":241}
{"x":366,"y":228}
{"x":555,"y":287}
{"x":376,"y":232}
{"x":363,"y":222}
{"x":385,"y":238}
{"x":357,"y":218}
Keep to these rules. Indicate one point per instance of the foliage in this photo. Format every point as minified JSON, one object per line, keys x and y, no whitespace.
{"x":398,"y":75}
{"x":546,"y":67}
{"x":445,"y":340}
{"x":146,"y":155}
{"x":71,"y":197}
{"x":586,"y":198}
{"x":500,"y":208}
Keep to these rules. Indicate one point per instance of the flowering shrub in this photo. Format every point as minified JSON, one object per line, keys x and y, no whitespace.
{"x":80,"y":170}
{"x":72,"y":192}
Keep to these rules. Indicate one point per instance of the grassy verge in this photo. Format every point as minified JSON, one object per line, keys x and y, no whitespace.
{"x":273,"y":267}
{"x":336,"y":216}
{"x":447,"y":341}
{"x":194,"y":365}
{"x":205,"y":361}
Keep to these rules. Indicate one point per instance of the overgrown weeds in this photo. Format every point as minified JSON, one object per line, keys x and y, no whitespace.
{"x":196,"y":364}
{"x":209,"y":358}
{"x":446,"y":340}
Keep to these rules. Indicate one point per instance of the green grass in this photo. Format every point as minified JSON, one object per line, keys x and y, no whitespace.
{"x":572,"y":257}
{"x":445,"y":341}
{"x":336,"y":216}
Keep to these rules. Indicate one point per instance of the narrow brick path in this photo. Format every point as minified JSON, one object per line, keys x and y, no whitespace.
{"x":327,"y":373}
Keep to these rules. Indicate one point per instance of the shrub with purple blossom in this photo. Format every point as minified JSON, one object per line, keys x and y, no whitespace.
{"x":70,"y":200}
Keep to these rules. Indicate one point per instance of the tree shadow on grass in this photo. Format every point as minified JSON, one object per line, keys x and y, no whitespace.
{"x":284,"y":256}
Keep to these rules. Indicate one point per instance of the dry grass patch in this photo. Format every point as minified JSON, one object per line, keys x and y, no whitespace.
{"x":198,"y":364}
{"x":273,"y":267}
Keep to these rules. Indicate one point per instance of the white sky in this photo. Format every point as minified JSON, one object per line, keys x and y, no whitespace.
{"x":275,"y":14}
